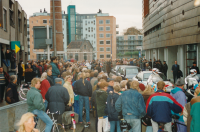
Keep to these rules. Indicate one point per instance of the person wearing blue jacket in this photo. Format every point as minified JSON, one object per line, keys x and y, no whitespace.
{"x":159,"y":106}
{"x":55,"y":70}
{"x":132,"y":105}
{"x":111,"y":111}
{"x":178,"y":94}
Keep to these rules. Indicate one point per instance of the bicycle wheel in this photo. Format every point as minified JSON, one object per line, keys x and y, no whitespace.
{"x":23,"y":94}
{"x":58,"y":128}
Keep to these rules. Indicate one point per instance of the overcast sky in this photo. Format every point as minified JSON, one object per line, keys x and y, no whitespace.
{"x":128,"y":13}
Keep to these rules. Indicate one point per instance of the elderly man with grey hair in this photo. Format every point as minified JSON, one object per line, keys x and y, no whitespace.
{"x":58,"y":97}
{"x":11,"y":97}
{"x":132,"y":105}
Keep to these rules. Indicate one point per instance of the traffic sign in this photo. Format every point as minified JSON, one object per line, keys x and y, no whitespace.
{"x":15,"y":45}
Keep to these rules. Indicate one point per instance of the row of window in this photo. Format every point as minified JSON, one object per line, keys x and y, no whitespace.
{"x":44,"y":21}
{"x":102,"y":56}
{"x":102,"y":21}
{"x":88,"y":36}
{"x":92,"y":22}
{"x":101,"y":35}
{"x":102,"y":42}
{"x":102,"y":28}
{"x":102,"y":49}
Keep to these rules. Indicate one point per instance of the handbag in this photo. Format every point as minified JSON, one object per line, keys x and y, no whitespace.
{"x":147,"y":120}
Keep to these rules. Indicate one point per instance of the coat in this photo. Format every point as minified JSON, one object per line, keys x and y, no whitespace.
{"x":165,"y":68}
{"x":35,"y":100}
{"x":11,"y":94}
{"x":110,"y":107}
{"x":175,"y":69}
{"x":68,"y":86}
{"x":101,"y":98}
{"x":55,"y":70}
{"x":195,"y":107}
{"x":50,"y":79}
{"x":108,"y":67}
{"x":29,"y":75}
{"x":57,"y":97}
{"x":7,"y":77}
{"x":44,"y":87}
{"x":81,"y":89}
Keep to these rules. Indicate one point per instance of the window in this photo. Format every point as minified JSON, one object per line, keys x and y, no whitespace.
{"x":100,"y":21}
{"x":76,"y":56}
{"x":85,"y":22}
{"x":44,"y":21}
{"x":101,"y":35}
{"x":88,"y":22}
{"x":101,"y":42}
{"x":107,"y":42}
{"x":108,"y":49}
{"x":101,"y":56}
{"x":101,"y":49}
{"x":107,"y":35}
{"x":100,"y":28}
{"x":85,"y":56}
{"x":107,"y":28}
{"x":85,"y":47}
{"x":107,"y":21}
{"x":5,"y":19}
{"x":108,"y":56}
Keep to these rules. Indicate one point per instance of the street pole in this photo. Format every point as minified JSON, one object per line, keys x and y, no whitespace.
{"x":111,"y":47}
{"x":48,"y":46}
{"x":54,"y":29}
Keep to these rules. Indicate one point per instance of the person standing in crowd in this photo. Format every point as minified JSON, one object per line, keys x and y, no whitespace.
{"x":111,"y":111}
{"x":110,"y":85}
{"x":195,"y":107}
{"x":8,"y":57}
{"x":83,"y":88}
{"x":13,"y":57}
{"x":159,"y":106}
{"x":150,"y":63}
{"x":11,"y":97}
{"x":20,"y":72}
{"x":76,"y":97}
{"x":4,"y":80}
{"x":94,"y":79}
{"x":194,"y":66}
{"x":148,"y":68}
{"x":3,"y":58}
{"x":132,"y":111}
{"x":165,"y":68}
{"x":101,"y":97}
{"x":27,"y":123}
{"x":58,"y":98}
{"x":29,"y":74}
{"x":45,"y":85}
{"x":55,"y":70}
{"x":179,"y":95}
{"x":175,"y":70}
{"x":49,"y":77}
{"x":36,"y":104}
{"x":68,"y":86}
{"x":108,"y":67}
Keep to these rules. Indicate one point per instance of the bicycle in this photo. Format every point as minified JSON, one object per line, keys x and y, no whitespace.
{"x":56,"y":126}
{"x":24,"y":90}
{"x":174,"y":123}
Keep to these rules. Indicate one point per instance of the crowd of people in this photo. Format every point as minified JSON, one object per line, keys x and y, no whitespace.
{"x":70,"y":86}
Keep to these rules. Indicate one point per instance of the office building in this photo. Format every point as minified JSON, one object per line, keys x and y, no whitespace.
{"x":172,"y":32}
{"x":13,"y":27}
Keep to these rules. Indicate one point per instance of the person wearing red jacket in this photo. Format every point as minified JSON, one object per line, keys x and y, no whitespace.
{"x":44,"y":87}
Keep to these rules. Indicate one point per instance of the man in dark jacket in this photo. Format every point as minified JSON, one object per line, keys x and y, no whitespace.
{"x":150,"y":63}
{"x":111,"y":111}
{"x":110,"y":85}
{"x":49,"y":77}
{"x":3,"y":58}
{"x":11,"y":97}
{"x":175,"y":70}
{"x":83,"y":88}
{"x":57,"y":97}
{"x":4,"y":80}
{"x":194,"y":66}
{"x":165,"y":68}
{"x":8,"y":57}
{"x":108,"y":67}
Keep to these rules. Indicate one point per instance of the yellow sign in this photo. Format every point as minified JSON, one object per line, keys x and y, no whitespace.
{"x":17,"y":49}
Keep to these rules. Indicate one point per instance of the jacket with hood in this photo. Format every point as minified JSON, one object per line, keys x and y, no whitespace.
{"x":178,"y":94}
{"x":55,"y":70}
{"x":101,"y":98}
{"x":110,"y":107}
{"x":110,"y":88}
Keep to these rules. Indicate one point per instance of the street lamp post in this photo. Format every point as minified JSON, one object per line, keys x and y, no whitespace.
{"x":54,"y":29}
{"x":111,"y":47}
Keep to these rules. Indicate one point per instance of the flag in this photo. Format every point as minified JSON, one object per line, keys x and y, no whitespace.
{"x":15,"y":45}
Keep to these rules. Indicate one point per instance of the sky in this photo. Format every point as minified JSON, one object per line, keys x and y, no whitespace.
{"x":128,"y":13}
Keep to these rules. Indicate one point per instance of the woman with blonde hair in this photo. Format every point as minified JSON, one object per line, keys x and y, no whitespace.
{"x":68,"y":86}
{"x":27,"y":123}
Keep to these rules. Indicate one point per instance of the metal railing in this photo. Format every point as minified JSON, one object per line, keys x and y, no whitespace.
{"x":16,"y":110}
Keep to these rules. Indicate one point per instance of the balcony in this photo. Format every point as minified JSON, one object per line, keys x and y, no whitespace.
{"x":117,"y":26}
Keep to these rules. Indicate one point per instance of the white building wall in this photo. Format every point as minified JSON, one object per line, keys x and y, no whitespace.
{"x":89,"y":34}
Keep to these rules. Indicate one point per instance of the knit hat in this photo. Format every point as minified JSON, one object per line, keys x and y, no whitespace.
{"x":141,"y":86}
{"x":180,"y":82}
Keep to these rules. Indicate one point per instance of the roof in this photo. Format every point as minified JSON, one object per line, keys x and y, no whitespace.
{"x":76,"y":44}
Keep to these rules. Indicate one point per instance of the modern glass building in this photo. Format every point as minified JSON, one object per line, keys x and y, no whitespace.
{"x":71,"y":10}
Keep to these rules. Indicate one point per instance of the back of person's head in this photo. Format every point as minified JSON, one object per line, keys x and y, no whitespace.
{"x":197,"y":91}
{"x":53,"y":58}
{"x":83,"y":77}
{"x":23,"y":120}
{"x":103,"y":84}
{"x":95,"y":74}
{"x":123,"y":83}
{"x":58,"y":80}
{"x":13,"y":78}
{"x":148,"y":89}
{"x":160,"y":85}
{"x":118,"y":79}
{"x":92,"y":74}
{"x":104,"y":77}
{"x":135,"y":84}
{"x":34,"y":81}
{"x":117,"y":88}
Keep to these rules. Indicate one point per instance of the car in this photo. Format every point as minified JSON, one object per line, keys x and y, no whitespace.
{"x":143,"y":76}
{"x":114,"y":70}
{"x":127,"y":72}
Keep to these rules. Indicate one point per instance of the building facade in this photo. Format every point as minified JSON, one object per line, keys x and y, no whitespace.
{"x":71,"y":10}
{"x":13,"y":27}
{"x":80,"y":50}
{"x":106,"y":37}
{"x":172,"y":32}
{"x":128,"y":46}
